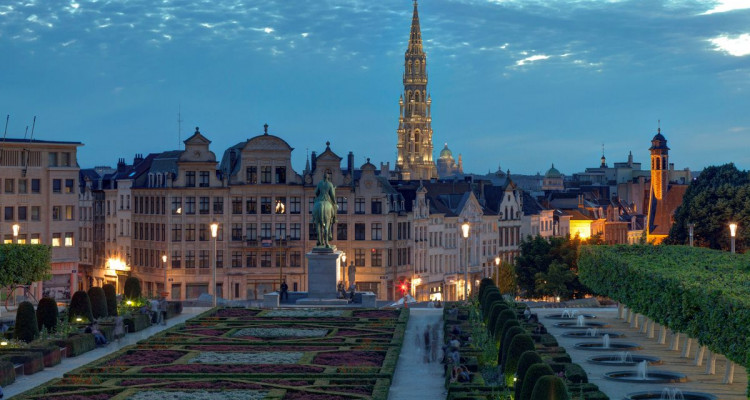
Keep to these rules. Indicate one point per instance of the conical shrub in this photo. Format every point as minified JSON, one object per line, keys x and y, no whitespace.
{"x":98,"y":302}
{"x":504,"y":316}
{"x":533,"y":374}
{"x":26,"y":328}
{"x":508,"y":324}
{"x":132,"y":288}
{"x":80,"y":307}
{"x":550,"y":388}
{"x":520,"y":344}
{"x":47,"y":315}
{"x":528,"y":358}
{"x":111,"y":295}
{"x":512,"y":332}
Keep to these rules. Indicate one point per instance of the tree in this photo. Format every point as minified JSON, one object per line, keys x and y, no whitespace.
{"x":717,"y":197}
{"x":506,"y":278}
{"x":538,"y":253}
{"x":555,"y":281}
{"x":26,"y":328}
{"x":24,"y":263}
{"x":47,"y":315}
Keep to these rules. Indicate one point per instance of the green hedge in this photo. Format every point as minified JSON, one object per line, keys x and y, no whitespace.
{"x":32,"y":361}
{"x":519,"y":345}
{"x":47,"y":315}
{"x":550,"y":388}
{"x":80,"y":307}
{"x":77,"y":344}
{"x":137,"y":322}
{"x":98,"y":302}
{"x":504,"y":316}
{"x":700,"y":292}
{"x":111,"y":295}
{"x":573,"y":372}
{"x":532,"y":375}
{"x":26,"y":327}
{"x":50,"y":353}
{"x":7,"y":372}
{"x":503,"y":352}
{"x":527,"y":359}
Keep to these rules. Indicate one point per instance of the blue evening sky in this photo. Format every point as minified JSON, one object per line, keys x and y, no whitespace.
{"x":515,"y":83}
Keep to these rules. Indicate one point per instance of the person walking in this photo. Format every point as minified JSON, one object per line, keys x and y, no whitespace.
{"x":284,"y":295}
{"x":427,"y":343}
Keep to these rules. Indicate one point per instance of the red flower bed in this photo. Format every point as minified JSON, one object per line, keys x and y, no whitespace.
{"x":376,"y":314}
{"x":206,"y":332}
{"x":350,"y":358}
{"x":135,"y":382}
{"x":251,"y":349}
{"x":286,"y":382}
{"x":147,"y":357}
{"x":235,"y":313}
{"x":232,"y":369}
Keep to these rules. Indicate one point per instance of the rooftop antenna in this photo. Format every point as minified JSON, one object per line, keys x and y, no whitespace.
{"x":179,"y":126}
{"x":7,"y":118}
{"x":33,"y":125}
{"x":26,"y":132}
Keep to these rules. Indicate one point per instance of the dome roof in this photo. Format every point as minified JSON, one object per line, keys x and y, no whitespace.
{"x":553,"y":173}
{"x":446,"y":152}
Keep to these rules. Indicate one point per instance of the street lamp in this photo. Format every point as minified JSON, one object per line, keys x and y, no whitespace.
{"x":16,"y":228}
{"x":343,"y":267}
{"x":733,"y":233}
{"x":497,"y":269}
{"x":691,"y":226}
{"x":465,"y":230}
{"x":164,"y":260}
{"x":214,"y":232}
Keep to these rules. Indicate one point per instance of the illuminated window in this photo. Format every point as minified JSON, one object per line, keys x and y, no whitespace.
{"x":56,"y":240}
{"x":35,"y":238}
{"x":68,"y":239}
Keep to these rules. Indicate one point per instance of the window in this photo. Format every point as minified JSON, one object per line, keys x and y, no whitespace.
{"x":189,"y":205}
{"x":236,"y":205}
{"x":376,"y":258}
{"x":311,"y":233}
{"x":295,"y":259}
{"x":252,"y":231}
{"x":390,"y":231}
{"x":190,"y":179}
{"x":35,"y":185}
{"x":203,"y":232}
{"x":35,"y":238}
{"x":342,"y":203}
{"x":55,"y":240}
{"x":205,"y":205}
{"x":57,"y":213}
{"x":218,"y":205}
{"x":265,"y":174}
{"x":280,"y":174}
{"x":294,"y":205}
{"x":236,"y":259}
{"x":265,"y":230}
{"x":69,"y":213}
{"x":9,"y":212}
{"x":376,"y":231}
{"x":377,"y":207}
{"x":52,"y":158}
{"x":190,"y":232}
{"x":22,"y":213}
{"x":56,"y":185}
{"x":341,"y":231}
{"x":359,"y":205}
{"x":359,"y":257}
{"x":265,"y":259}
{"x":190,"y":259}
{"x":69,"y":184}
{"x":204,"y":175}
{"x":252,"y":260}
{"x":176,"y":205}
{"x":219,"y":258}
{"x":35,"y":213}
{"x":23,"y":186}
{"x":310,"y":204}
{"x":295,"y":231}
{"x":236,"y":232}
{"x":252,"y":175}
{"x":280,"y":231}
{"x":203,"y":259}
{"x":251,"y":205}
{"x":280,"y":207}
{"x":176,"y":259}
{"x":280,"y":259}
{"x":265,"y":205}
{"x":177,"y":232}
{"x":68,"y":239}
{"x":359,"y":231}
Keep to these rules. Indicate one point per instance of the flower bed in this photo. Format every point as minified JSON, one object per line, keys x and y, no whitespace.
{"x":249,"y":353}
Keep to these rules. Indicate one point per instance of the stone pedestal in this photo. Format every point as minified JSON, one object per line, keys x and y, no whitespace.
{"x":323,"y":273}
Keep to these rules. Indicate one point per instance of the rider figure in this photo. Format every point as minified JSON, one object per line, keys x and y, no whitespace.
{"x":325,"y":192}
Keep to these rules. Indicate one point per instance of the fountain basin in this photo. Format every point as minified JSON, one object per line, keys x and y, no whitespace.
{"x":614,"y":346}
{"x":660,"y":396}
{"x":617,"y":360}
{"x":583,"y":335}
{"x":585,"y":325}
{"x":649,"y":377}
{"x":566,"y":316}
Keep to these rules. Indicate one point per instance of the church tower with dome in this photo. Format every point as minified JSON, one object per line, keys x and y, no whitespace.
{"x":415,"y":121}
{"x":553,"y":180}
{"x":447,"y":166}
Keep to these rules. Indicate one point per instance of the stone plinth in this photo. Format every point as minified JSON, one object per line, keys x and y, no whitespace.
{"x":323,"y":272}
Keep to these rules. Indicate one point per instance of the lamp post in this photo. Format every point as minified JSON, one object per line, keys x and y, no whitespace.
{"x":16,"y":228}
{"x":465,"y":230}
{"x":214,"y":231}
{"x":733,"y":233}
{"x":343,"y":267}
{"x":164,"y":261}
{"x":497,"y":270}
{"x":691,"y":226}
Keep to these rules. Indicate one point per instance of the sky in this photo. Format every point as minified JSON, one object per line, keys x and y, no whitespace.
{"x":515,"y":84}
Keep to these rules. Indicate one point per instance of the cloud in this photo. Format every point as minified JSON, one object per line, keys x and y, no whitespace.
{"x":728,"y":5}
{"x":531,"y":59}
{"x":737,"y":46}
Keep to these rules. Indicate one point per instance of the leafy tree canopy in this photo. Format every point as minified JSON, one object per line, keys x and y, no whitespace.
{"x":538,"y":254}
{"x":24,"y":263}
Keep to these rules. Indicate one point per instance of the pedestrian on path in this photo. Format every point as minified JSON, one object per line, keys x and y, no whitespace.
{"x":427,"y":343}
{"x":434,"y":343}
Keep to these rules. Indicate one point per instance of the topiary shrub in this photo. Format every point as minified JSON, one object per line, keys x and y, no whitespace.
{"x":80,"y":307}
{"x":98,"y":302}
{"x":47,"y":315}
{"x":26,"y":328}
{"x":512,"y":332}
{"x":111,"y":295}
{"x":495,"y":309}
{"x":504,"y":316}
{"x":527,"y":359}
{"x":519,"y":345}
{"x":532,"y":375}
{"x":508,"y":324}
{"x":132,"y":288}
{"x":550,"y":388}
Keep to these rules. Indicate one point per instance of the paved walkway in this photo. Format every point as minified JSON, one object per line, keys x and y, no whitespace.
{"x":414,"y":378}
{"x":26,"y":382}
{"x":698,"y":380}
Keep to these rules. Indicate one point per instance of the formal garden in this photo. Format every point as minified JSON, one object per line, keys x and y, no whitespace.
{"x":242,"y":353}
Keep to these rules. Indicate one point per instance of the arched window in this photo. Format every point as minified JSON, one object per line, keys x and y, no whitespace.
{"x":408,"y":67}
{"x":658,"y":162}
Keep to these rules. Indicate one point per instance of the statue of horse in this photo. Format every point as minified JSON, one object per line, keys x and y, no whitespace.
{"x":324,"y":211}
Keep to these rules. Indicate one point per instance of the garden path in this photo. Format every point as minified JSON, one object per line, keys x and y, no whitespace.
{"x":414,"y":378}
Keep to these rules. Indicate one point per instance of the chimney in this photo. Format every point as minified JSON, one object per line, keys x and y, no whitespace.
{"x":121,"y":165}
{"x":580,"y":201}
{"x":138,"y":158}
{"x":350,"y":162}
{"x":313,"y":160}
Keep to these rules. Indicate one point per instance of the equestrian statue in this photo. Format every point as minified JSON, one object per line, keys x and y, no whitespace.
{"x":324,"y":212}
